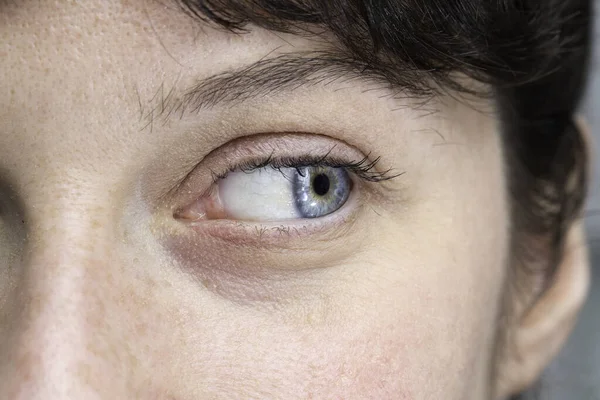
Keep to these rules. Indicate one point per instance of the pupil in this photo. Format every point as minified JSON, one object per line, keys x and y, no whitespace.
{"x":321,"y":184}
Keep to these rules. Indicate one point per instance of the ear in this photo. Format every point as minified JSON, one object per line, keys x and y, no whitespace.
{"x":542,"y":327}
{"x":543,"y":330}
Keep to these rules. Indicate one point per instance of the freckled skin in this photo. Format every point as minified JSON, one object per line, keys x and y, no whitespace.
{"x":104,"y":295}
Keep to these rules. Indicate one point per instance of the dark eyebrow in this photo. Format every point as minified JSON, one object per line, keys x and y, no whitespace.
{"x":268,"y":76}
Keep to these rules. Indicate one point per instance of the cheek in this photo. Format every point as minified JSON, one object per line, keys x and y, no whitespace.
{"x":351,"y":343}
{"x":265,"y":357}
{"x":343,"y":343}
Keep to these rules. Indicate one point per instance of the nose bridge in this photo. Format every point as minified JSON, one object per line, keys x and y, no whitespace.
{"x":58,"y":315}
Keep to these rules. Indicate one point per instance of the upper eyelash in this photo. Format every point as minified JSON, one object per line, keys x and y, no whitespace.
{"x":364,"y":168}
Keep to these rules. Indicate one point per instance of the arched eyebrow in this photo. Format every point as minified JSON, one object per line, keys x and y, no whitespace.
{"x":269,"y":77}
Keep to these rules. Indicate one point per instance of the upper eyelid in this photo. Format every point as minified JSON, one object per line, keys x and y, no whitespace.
{"x":201,"y":177}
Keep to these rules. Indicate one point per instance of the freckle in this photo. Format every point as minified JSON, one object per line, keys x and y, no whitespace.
{"x":25,"y":363}
{"x":309,"y":319}
{"x":36,"y":305}
{"x":205,"y":282}
{"x":150,"y":282}
{"x":141,"y":329}
{"x":110,"y":278}
{"x":84,"y":371}
{"x":133,"y":361}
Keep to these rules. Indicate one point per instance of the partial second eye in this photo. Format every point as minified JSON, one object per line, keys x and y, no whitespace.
{"x":273,"y":194}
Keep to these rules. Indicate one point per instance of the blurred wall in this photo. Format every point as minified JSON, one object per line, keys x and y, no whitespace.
{"x":576,"y":373}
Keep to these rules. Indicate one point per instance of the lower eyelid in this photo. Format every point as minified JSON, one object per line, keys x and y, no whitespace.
{"x":278,"y":233}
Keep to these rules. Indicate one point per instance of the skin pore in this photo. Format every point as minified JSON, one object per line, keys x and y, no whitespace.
{"x":115,"y":284}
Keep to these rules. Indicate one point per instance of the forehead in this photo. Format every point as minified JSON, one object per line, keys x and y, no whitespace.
{"x":105,"y":35}
{"x":133,"y":31}
{"x":70,"y":64}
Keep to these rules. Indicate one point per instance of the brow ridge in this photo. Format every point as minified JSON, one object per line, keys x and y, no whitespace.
{"x":267,"y":77}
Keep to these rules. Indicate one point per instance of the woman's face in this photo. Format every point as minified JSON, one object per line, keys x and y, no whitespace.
{"x":138,"y":261}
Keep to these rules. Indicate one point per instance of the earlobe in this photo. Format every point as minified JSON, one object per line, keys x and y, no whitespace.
{"x":543,"y":329}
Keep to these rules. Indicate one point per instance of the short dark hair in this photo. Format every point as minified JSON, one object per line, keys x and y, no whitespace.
{"x":532,"y":55}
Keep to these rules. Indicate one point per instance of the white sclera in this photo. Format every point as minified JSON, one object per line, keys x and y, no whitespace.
{"x":265,"y":194}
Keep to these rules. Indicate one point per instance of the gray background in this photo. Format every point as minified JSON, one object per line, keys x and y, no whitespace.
{"x":576,"y":373}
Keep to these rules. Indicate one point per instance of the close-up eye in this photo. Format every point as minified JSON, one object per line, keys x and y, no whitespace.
{"x":270,"y":194}
{"x":262,"y":178}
